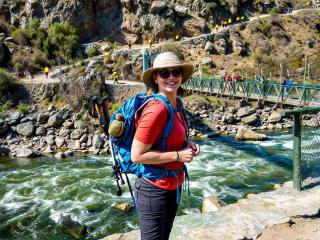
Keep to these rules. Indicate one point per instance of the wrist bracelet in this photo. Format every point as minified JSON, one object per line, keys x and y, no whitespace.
{"x":178,"y":157}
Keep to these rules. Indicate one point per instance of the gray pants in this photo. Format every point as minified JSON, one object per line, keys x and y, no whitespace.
{"x":157,"y":209}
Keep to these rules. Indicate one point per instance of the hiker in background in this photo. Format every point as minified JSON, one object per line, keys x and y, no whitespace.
{"x":237,"y":77}
{"x":115,"y":76}
{"x":287,"y":83}
{"x":228,"y":79}
{"x":157,"y":201}
{"x":46,"y":71}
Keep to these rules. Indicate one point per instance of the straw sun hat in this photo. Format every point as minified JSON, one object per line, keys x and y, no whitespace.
{"x":166,"y":60}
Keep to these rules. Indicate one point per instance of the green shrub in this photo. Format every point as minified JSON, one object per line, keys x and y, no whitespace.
{"x":18,"y":67}
{"x":7,"y":82}
{"x":211,"y":6}
{"x":264,"y":27}
{"x":62,"y":40}
{"x":205,"y":71}
{"x":23,"y":108}
{"x":4,"y":109}
{"x":275,"y":11}
{"x":21,"y":36}
{"x":24,"y":62}
{"x":170,"y":24}
{"x":108,"y":57}
{"x":37,"y":33}
{"x":40,"y":59}
{"x":93,"y":52}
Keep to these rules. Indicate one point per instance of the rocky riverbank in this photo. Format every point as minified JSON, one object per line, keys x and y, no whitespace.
{"x":64,"y":131}
{"x":260,"y":216}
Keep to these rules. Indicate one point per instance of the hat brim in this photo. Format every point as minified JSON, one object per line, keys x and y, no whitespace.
{"x":187,"y":72}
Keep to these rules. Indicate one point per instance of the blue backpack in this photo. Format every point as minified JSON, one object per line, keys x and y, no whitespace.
{"x":121,"y":146}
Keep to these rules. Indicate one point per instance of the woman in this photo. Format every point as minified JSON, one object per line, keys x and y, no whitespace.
{"x":157,"y":200}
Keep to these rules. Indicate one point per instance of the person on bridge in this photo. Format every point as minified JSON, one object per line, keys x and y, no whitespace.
{"x":228,"y":79}
{"x":237,"y":77}
{"x":46,"y":71}
{"x":157,"y":200}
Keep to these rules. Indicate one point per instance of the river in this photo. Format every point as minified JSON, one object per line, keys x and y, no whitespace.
{"x":35,"y":195}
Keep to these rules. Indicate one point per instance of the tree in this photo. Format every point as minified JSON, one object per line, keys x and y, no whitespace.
{"x":62,"y":40}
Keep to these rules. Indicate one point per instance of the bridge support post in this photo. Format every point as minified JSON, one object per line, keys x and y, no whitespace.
{"x":297,"y":175}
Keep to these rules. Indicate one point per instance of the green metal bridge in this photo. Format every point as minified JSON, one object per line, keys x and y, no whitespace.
{"x":295,"y":95}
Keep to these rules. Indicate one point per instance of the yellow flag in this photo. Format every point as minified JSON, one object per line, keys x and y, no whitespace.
{"x":230,"y":20}
{"x":225,"y":23}
{"x":238,"y":18}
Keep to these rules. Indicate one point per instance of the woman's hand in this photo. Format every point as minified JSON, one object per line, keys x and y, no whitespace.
{"x":195,"y":147}
{"x":185,"y":155}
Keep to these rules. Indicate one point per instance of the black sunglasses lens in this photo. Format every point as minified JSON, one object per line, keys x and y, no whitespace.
{"x":164,"y":74}
{"x":176,"y":72}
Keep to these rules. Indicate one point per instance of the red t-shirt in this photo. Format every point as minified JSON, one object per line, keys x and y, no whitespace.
{"x":149,"y":129}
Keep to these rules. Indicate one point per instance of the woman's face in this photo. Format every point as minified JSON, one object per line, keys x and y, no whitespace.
{"x":169,"y":79}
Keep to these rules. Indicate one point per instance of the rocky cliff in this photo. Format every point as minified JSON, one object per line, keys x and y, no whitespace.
{"x":128,"y":20}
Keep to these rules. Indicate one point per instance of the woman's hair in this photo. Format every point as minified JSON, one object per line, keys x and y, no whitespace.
{"x":155,"y":88}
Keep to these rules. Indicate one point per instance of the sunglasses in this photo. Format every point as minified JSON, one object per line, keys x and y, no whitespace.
{"x":165,"y":73}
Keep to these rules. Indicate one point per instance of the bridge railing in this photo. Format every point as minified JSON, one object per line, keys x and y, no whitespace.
{"x":306,"y":151}
{"x":296,"y":94}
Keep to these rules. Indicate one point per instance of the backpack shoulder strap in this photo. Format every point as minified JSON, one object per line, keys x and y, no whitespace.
{"x":170,"y":119}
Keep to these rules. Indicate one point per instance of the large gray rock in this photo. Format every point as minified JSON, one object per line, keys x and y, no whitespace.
{"x":97,"y":142}
{"x":63,"y":132}
{"x":58,"y":118}
{"x":76,"y":134}
{"x":221,"y":46}
{"x":14,"y":118}
{"x":59,"y":141}
{"x":181,"y":11}
{"x":25,"y":152}
{"x":50,"y":140}
{"x":3,"y":127}
{"x":274,"y":118}
{"x":158,"y":7}
{"x":246,"y":134}
{"x":42,"y":118}
{"x":40,"y":131}
{"x":26,"y":129}
{"x":245,"y":111}
{"x":250,"y":120}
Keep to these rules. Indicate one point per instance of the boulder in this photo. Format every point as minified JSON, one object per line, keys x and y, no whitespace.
{"x":246,"y":134}
{"x":59,"y":141}
{"x":211,"y":204}
{"x":26,"y":129}
{"x":76,"y":134}
{"x":25,"y":152}
{"x":181,"y":11}
{"x":192,"y":28}
{"x":311,"y":123}
{"x":68,"y":124}
{"x":125,"y":207}
{"x":50,"y":140}
{"x":245,"y":111}
{"x":57,"y":119}
{"x":34,"y":9}
{"x":42,"y":118}
{"x":63,"y":132}
{"x":127,"y":4}
{"x":158,"y":7}
{"x":3,"y":127}
{"x":72,"y":228}
{"x":274,"y":117}
{"x":14,"y":118}
{"x":221,"y":46}
{"x":40,"y":131}
{"x":69,"y":153}
{"x":97,"y":142}
{"x":209,"y":47}
{"x":60,"y":155}
{"x":250,"y":120}
{"x":79,"y":125}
